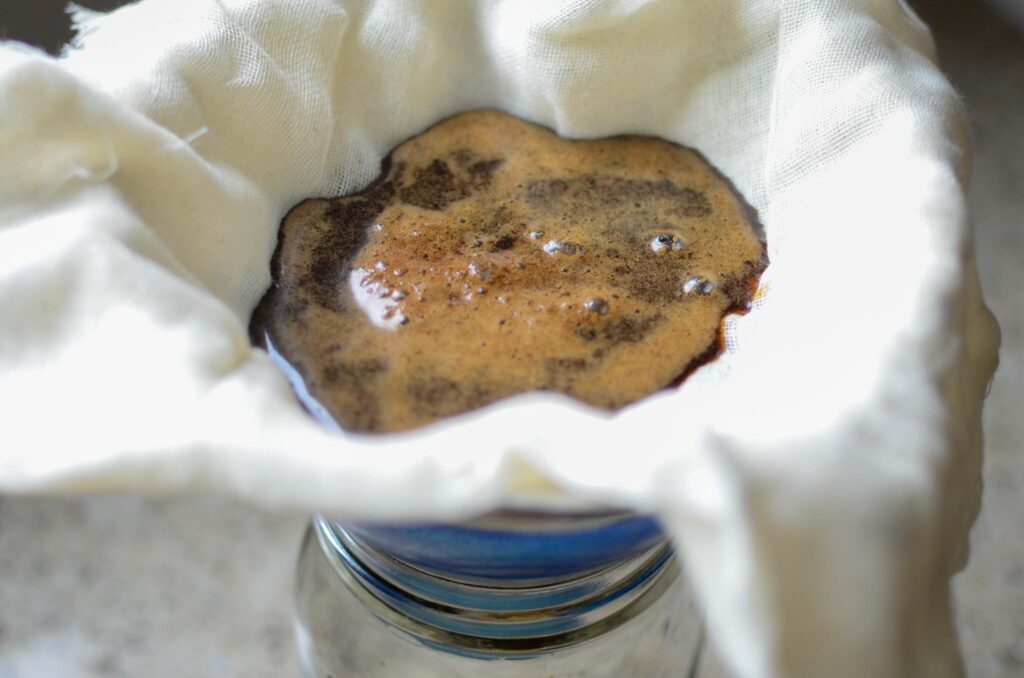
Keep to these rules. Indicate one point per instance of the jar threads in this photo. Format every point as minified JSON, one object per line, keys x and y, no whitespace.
{"x":361,"y":613}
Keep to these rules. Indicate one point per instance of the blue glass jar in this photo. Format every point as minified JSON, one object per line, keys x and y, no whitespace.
{"x":513,"y":595}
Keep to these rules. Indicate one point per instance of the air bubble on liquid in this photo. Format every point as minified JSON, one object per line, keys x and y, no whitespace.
{"x":660,"y":243}
{"x":398,"y":295}
{"x":536,"y":234}
{"x":565,"y":247}
{"x":378,"y":227}
{"x":698,"y":285}
{"x":665,"y":242}
{"x":596,"y":305}
{"x":380,"y":266}
{"x":399,"y":272}
{"x":373,"y":299}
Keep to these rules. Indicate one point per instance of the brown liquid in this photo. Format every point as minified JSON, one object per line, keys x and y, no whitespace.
{"x":493,"y":257}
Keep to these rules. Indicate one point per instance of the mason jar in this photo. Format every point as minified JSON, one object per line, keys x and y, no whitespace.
{"x":511,"y":595}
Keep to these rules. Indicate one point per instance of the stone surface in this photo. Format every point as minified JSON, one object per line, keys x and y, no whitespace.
{"x":122,"y":586}
{"x":116,"y":586}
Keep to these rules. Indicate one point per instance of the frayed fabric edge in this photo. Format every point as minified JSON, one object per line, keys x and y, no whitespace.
{"x":84,"y":22}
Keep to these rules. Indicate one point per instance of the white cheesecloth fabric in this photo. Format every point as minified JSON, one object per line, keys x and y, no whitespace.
{"x":819,"y":478}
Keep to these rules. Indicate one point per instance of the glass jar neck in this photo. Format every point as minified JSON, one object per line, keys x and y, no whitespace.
{"x":477,"y":618}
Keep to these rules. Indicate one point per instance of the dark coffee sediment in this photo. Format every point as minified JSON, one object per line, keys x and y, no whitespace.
{"x":492,"y":257}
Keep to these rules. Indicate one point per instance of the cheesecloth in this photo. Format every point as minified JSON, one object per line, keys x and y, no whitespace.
{"x":820,"y":477}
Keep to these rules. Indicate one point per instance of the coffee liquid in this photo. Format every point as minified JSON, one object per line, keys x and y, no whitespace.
{"x":493,"y":257}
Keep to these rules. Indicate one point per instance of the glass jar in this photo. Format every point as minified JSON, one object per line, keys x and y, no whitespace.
{"x":510,"y":596}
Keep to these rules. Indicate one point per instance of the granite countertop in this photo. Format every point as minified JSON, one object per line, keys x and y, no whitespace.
{"x":123,"y":586}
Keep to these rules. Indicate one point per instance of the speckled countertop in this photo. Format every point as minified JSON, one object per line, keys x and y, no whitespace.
{"x":122,"y":586}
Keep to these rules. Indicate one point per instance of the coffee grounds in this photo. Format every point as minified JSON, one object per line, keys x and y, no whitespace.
{"x":492,"y":257}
